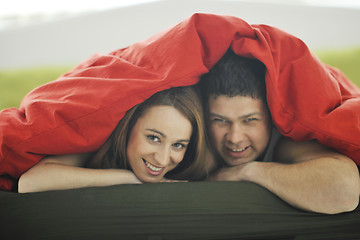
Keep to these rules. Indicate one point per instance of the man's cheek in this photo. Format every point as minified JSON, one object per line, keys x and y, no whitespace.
{"x":216,"y":134}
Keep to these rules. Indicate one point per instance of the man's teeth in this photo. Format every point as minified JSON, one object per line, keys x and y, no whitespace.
{"x":238,"y":149}
{"x":152,"y":167}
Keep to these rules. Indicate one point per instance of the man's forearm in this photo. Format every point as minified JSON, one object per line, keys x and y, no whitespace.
{"x":321,"y":185}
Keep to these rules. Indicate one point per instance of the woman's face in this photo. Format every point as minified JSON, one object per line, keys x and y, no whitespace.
{"x":158,"y":142}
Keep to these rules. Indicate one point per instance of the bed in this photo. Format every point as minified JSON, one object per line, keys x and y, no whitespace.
{"x":196,"y":210}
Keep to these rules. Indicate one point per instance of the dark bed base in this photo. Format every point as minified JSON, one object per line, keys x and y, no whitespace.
{"x":197,"y":210}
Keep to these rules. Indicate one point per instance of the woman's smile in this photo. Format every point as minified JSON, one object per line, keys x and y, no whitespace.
{"x":152,"y":169}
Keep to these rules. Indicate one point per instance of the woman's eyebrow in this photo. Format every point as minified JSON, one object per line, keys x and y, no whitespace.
{"x":163,"y":135}
{"x":156,"y":131}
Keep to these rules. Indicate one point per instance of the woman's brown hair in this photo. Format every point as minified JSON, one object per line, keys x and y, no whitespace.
{"x":185,"y":99}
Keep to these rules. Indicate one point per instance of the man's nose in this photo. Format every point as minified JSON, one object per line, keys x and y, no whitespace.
{"x":235,"y":134}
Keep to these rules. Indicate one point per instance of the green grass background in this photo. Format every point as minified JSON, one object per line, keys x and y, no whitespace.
{"x":14,"y":84}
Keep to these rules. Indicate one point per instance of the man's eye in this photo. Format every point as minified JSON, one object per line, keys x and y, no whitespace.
{"x":219,"y":120}
{"x":153,"y":138}
{"x":250,"y":119}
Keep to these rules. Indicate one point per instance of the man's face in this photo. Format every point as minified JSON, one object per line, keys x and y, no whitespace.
{"x":240,"y":128}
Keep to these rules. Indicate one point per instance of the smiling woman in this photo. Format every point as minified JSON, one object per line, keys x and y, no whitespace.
{"x":158,"y":140}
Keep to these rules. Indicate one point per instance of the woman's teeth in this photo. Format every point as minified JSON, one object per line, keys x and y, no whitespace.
{"x":152,"y":167}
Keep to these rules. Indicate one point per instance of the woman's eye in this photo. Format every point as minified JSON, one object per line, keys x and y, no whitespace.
{"x":179,"y":146}
{"x":153,"y":138}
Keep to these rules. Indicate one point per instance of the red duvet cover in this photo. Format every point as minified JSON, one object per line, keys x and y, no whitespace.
{"x":77,"y":112}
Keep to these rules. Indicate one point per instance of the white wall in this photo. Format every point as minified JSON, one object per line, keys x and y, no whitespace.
{"x":73,"y":39}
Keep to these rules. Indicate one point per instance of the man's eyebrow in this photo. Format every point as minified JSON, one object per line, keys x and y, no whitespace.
{"x":163,"y":135}
{"x":251,"y":115}
{"x":216,"y":115}
{"x":243,"y":116}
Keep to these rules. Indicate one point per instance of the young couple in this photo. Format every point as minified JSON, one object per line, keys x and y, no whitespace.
{"x":164,"y":139}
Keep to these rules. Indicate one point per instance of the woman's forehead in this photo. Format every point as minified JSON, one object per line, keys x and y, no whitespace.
{"x":167,"y":120}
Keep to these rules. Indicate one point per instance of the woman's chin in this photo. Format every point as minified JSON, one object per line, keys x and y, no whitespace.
{"x":150,"y":179}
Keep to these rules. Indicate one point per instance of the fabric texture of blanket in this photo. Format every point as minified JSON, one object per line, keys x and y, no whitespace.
{"x":77,"y":112}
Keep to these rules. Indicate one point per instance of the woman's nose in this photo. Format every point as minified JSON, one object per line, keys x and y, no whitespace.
{"x":162,"y":157}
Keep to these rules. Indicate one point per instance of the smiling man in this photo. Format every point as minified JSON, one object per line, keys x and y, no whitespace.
{"x":247,"y":147}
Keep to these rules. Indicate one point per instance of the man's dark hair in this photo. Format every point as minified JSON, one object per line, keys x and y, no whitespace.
{"x":234,"y":75}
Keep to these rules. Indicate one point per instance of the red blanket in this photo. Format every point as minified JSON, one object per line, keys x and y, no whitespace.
{"x":77,"y":112}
